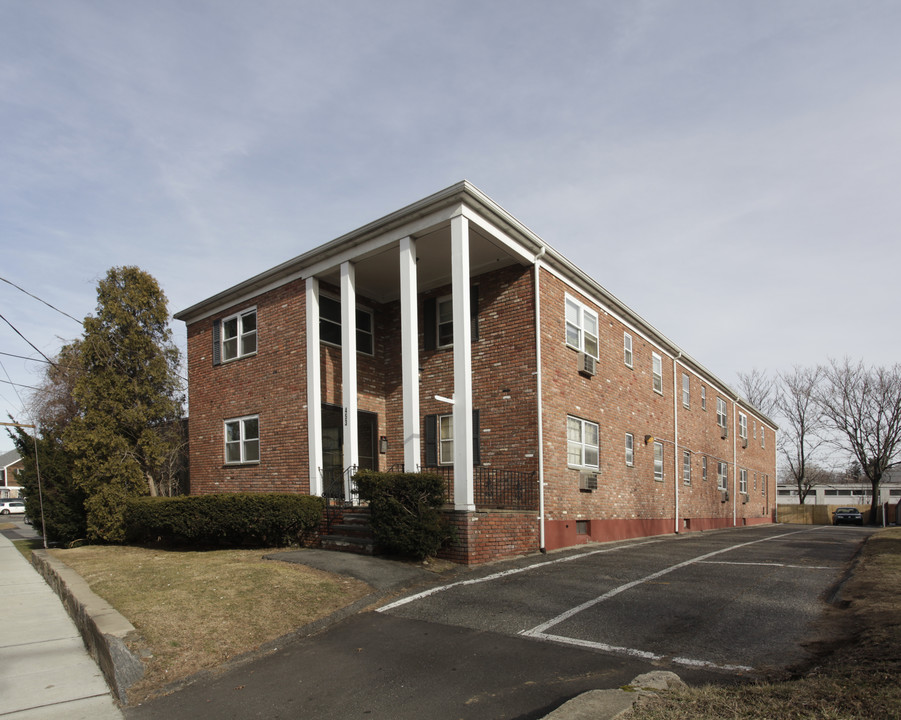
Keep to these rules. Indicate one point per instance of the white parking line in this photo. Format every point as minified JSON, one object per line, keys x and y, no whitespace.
{"x":540,"y":631}
{"x":505,"y":573}
{"x":772,"y":564}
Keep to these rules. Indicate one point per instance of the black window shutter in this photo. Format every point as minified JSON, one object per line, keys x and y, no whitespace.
{"x":430,"y":323}
{"x":474,"y":311}
{"x":217,"y":345}
{"x":476,"y":449}
{"x":431,"y":440}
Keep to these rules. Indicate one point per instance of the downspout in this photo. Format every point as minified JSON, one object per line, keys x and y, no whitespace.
{"x":734,"y":464}
{"x":537,"y":263}
{"x":676,"y":442}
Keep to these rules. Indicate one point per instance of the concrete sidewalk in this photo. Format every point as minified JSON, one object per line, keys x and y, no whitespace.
{"x":47,"y":673}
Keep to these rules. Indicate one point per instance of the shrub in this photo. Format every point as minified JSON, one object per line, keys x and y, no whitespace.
{"x":228,"y":519}
{"x":405,"y":507}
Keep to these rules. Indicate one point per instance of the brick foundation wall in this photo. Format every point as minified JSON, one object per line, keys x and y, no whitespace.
{"x":491,"y":535}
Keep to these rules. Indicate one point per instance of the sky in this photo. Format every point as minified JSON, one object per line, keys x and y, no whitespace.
{"x":729,"y":169}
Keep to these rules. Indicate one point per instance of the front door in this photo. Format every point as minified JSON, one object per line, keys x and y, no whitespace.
{"x":333,"y":469}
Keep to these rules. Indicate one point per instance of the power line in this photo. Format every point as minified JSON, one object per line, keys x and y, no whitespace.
{"x":27,"y":340}
{"x":23,"y":357}
{"x":61,"y":312}
{"x":15,"y":385}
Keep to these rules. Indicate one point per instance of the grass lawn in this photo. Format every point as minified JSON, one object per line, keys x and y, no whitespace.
{"x":858,"y":675}
{"x":195,"y":610}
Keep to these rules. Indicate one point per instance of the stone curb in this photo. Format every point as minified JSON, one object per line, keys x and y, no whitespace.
{"x":103,"y":629}
{"x":617,"y":703}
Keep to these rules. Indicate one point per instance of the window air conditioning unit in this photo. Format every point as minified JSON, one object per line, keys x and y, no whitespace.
{"x":744,"y":442}
{"x":724,"y":496}
{"x":724,"y":432}
{"x":588,"y":481}
{"x":744,"y":499}
{"x":588,"y":366}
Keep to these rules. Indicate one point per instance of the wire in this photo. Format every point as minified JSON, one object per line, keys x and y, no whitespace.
{"x":61,"y":312}
{"x":23,"y":357}
{"x":27,"y":340}
{"x":15,"y":385}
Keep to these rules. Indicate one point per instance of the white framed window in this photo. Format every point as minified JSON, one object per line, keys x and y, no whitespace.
{"x":444,"y":320}
{"x":703,"y":397}
{"x":722,"y":475}
{"x":754,"y":429}
{"x":581,"y":327}
{"x":582,"y":442}
{"x":657,"y":372}
{"x":445,"y":439}
{"x":330,"y":325}
{"x":743,"y":481}
{"x":686,"y":467}
{"x":242,"y":440}
{"x":239,"y":335}
{"x":627,"y":349}
{"x":704,"y":468}
{"x":742,"y":426}
{"x":658,"y":461}
{"x":762,"y":439}
{"x":686,"y":390}
{"x":721,"y":412}
{"x":630,"y":450}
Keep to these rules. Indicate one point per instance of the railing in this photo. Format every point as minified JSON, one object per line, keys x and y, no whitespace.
{"x":494,"y":488}
{"x":333,"y":484}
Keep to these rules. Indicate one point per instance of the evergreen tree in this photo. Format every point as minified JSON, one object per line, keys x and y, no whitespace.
{"x":127,"y":395}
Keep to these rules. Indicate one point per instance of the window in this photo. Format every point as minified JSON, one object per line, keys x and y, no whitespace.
{"x":658,"y":461}
{"x":754,"y":431}
{"x":330,"y":325}
{"x":657,"y":370}
{"x":762,"y":439}
{"x":582,"y":442}
{"x":438,"y":320}
{"x":627,"y":349}
{"x":704,"y":468}
{"x":722,"y":475}
{"x":721,"y":412}
{"x":581,"y":327}
{"x":630,"y":450}
{"x":703,"y":398}
{"x":444,"y":321}
{"x":237,"y":336}
{"x":742,"y":426}
{"x":242,"y":440}
{"x":445,"y":439}
{"x":743,"y":481}
{"x":686,"y":390}
{"x":686,"y":467}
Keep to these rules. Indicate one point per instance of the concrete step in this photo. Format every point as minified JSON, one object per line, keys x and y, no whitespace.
{"x":346,"y":543}
{"x":363,"y":530}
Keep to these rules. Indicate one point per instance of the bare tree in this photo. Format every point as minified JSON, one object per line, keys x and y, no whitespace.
{"x":863,"y":405}
{"x":801,"y":427}
{"x":759,"y":390}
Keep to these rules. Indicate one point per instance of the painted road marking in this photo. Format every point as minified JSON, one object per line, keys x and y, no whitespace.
{"x":771,"y":564}
{"x":507,"y":573}
{"x":540,"y":631}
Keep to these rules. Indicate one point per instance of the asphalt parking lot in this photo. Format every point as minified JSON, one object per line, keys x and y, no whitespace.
{"x":735,"y":601}
{"x":517,"y":639}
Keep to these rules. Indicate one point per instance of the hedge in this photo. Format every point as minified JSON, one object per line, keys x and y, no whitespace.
{"x":405,"y":511}
{"x":223,"y":520}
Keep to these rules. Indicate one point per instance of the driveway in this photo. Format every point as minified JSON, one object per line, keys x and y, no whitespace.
{"x":517,"y":639}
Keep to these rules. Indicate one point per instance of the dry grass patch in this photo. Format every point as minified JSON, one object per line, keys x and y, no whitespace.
{"x":856,"y":675}
{"x":195,"y":610}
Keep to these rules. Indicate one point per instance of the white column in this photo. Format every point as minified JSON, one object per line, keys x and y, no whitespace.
{"x":409,"y":351}
{"x":314,"y":387}
{"x":463,"y":456}
{"x":349,"y":368}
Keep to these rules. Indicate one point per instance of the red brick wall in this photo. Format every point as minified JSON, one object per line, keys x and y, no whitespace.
{"x":629,"y":502}
{"x":492,"y":535}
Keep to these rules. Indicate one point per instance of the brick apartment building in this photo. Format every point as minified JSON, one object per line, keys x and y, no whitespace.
{"x":449,"y":319}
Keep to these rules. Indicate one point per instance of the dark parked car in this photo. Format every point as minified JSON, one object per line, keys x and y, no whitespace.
{"x":847,"y":516}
